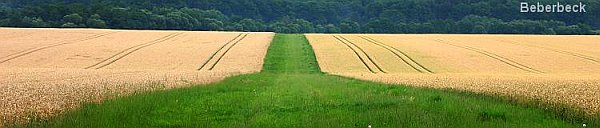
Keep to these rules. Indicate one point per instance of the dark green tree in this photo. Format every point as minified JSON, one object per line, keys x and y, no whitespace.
{"x":350,"y":27}
{"x":330,"y":28}
{"x":95,"y":21}
{"x":69,"y":25}
{"x":73,"y":18}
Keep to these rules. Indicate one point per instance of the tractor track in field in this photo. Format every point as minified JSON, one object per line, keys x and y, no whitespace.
{"x":578,"y":55}
{"x":216,"y":52}
{"x":13,"y":54}
{"x":417,"y":66}
{"x":226,"y":51}
{"x":33,"y":50}
{"x":363,"y":51}
{"x":233,"y":43}
{"x":356,"y":53}
{"x":37,"y":48}
{"x":122,"y":54}
{"x":494,"y":56}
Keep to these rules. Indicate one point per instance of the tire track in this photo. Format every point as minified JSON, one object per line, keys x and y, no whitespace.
{"x":367,"y":55}
{"x":225,"y":53}
{"x":235,"y":40}
{"x":409,"y":61}
{"x":356,"y":50}
{"x":554,"y":50}
{"x":19,"y":52}
{"x":494,"y":56}
{"x":83,"y":39}
{"x":32,"y":50}
{"x":114,"y":58}
{"x":356,"y":53}
{"x":220,"y":48}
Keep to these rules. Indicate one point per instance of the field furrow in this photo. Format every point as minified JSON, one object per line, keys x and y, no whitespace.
{"x":32,"y":50}
{"x":334,"y":56}
{"x":360,"y":56}
{"x":243,"y":57}
{"x":219,"y":50}
{"x":546,"y":60}
{"x":444,"y":58}
{"x":401,"y":55}
{"x":130,"y":50}
{"x":574,"y":54}
{"x":226,"y":51}
{"x":581,"y":44}
{"x":219,"y":54}
{"x":39,"y":38}
{"x":495,"y":56}
{"x":369,"y":58}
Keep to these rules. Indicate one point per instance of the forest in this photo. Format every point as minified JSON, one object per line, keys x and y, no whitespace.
{"x":302,"y":16}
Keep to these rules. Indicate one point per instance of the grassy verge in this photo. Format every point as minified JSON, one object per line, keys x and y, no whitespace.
{"x":292,"y":92}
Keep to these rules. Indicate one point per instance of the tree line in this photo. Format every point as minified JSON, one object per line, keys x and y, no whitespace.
{"x":298,"y":16}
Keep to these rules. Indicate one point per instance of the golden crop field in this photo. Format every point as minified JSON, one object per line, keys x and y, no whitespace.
{"x":555,"y":69}
{"x":45,"y":71}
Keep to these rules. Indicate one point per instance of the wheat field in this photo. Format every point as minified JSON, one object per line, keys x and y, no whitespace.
{"x":48,"y":71}
{"x":555,"y":69}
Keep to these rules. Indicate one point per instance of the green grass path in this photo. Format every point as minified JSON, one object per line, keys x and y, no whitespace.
{"x":292,"y":92}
